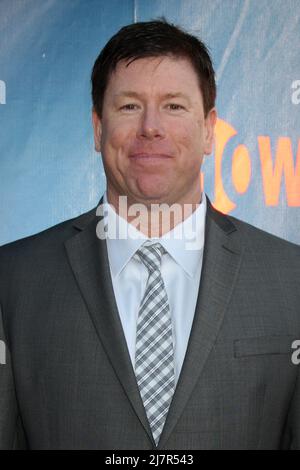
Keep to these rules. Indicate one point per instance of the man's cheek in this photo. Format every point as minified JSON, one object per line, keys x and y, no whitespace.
{"x":189,"y":134}
{"x":119,"y":137}
{"x":113,"y":138}
{"x":191,"y":146}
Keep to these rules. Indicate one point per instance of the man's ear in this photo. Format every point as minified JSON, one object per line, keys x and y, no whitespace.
{"x":97,"y":130}
{"x":210,"y":122}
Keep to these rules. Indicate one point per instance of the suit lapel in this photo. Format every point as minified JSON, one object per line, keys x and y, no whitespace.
{"x":89,"y":261}
{"x":221,"y":260}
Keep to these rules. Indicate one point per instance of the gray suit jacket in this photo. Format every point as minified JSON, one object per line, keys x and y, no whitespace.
{"x":68,"y":382}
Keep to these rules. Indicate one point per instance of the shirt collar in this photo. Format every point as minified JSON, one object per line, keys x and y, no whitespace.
{"x":184,"y":243}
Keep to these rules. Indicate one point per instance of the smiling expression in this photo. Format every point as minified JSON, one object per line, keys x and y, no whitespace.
{"x":153,"y":133}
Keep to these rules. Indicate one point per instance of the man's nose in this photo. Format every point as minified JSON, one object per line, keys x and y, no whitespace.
{"x":151,"y":125}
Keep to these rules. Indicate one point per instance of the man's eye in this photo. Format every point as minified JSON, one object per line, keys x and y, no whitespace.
{"x":175,"y":106}
{"x":129,"y":107}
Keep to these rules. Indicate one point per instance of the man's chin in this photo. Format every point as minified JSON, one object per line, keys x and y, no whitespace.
{"x":153,"y":189}
{"x":152,"y":197}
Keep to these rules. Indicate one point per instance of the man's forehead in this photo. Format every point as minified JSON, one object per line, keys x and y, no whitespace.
{"x":167,"y":74}
{"x":153,"y":62}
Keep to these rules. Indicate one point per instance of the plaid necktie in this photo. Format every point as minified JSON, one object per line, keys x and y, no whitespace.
{"x":154,"y":360}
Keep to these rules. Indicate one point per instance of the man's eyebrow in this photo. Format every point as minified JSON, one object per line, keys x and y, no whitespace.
{"x":134,"y":94}
{"x":130,"y":94}
{"x":176,"y":95}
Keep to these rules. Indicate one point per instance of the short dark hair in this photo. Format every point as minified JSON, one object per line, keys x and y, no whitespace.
{"x":153,"y":39}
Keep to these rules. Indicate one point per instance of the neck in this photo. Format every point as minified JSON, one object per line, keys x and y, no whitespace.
{"x":154,"y":219}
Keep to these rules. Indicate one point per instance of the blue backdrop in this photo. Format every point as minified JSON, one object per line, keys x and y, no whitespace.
{"x":48,"y":167}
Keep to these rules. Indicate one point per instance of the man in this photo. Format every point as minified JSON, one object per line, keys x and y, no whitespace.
{"x":168,"y":337}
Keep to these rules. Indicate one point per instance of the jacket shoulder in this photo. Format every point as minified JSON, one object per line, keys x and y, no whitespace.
{"x":263,"y":240}
{"x":55,"y":234}
{"x":31,"y":256}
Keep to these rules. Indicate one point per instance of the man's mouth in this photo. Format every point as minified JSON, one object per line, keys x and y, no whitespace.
{"x":149,"y":157}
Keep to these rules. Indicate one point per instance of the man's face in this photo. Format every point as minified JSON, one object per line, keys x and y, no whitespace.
{"x":152,"y":133}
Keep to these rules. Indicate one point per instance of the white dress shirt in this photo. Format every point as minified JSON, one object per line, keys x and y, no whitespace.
{"x":180,"y":269}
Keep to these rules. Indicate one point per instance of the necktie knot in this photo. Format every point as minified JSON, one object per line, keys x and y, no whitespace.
{"x":150,"y":254}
